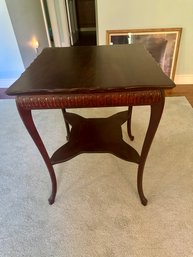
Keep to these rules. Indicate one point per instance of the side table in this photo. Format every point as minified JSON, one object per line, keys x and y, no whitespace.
{"x":101,"y":76}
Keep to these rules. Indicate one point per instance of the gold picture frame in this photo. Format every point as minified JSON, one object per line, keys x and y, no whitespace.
{"x":163,"y":44}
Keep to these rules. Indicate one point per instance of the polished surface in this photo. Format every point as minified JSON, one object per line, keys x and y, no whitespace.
{"x":91,"y":68}
{"x":97,"y":136}
{"x":101,"y":76}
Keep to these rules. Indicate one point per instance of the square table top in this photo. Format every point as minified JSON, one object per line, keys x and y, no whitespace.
{"x":86,"y":69}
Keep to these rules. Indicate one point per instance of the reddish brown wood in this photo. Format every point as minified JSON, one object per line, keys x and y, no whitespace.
{"x":66,"y":124}
{"x":109,"y":137}
{"x":102,"y":135}
{"x":156,"y":113}
{"x":129,"y":123}
{"x":27,"y":119}
{"x":91,"y":69}
{"x":102,"y":76}
{"x":182,"y":90}
{"x":179,"y":90}
{"x":105,"y":99}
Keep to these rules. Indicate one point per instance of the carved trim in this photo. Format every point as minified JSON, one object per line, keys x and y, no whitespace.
{"x":59,"y":101}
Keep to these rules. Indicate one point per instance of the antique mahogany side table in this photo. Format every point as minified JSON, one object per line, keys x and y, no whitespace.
{"x":93,"y":76}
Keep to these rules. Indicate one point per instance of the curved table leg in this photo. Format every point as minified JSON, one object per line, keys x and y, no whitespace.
{"x":27,"y":119}
{"x":129,"y":123}
{"x":156,"y":113}
{"x":67,"y":125}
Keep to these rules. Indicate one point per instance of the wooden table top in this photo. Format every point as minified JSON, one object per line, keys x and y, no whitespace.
{"x":89,"y":69}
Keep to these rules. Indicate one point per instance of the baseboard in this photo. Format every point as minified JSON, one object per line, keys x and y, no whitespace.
{"x":184,"y":79}
{"x":5,"y":83}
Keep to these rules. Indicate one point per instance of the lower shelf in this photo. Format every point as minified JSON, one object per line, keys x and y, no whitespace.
{"x":100,"y":135}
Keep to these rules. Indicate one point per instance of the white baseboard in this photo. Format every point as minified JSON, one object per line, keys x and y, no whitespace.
{"x":5,"y":83}
{"x":184,"y":79}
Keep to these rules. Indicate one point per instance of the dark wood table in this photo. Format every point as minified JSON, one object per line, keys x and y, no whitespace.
{"x":93,"y":76}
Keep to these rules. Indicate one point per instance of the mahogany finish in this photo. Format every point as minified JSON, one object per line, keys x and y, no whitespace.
{"x":99,"y":76}
{"x":97,"y":136}
{"x":87,"y":69}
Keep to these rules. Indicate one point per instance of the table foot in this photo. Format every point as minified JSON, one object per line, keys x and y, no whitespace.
{"x":51,"y":199}
{"x":129,"y":123}
{"x":143,"y":200}
{"x":27,"y":119}
{"x":156,"y":113}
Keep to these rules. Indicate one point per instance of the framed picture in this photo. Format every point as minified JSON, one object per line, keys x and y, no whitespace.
{"x":163,"y":44}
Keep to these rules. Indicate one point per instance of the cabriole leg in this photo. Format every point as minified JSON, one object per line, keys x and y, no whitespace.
{"x":156,"y":113}
{"x":27,"y":119}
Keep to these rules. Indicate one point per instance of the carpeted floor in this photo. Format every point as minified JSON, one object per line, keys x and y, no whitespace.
{"x":97,"y":212}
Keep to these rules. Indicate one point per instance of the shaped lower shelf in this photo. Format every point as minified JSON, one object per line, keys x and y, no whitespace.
{"x":96,"y":135}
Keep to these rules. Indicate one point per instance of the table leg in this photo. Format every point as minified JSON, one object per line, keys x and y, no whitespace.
{"x":27,"y":119}
{"x":129,"y":123}
{"x":156,"y":113}
{"x":67,"y":125}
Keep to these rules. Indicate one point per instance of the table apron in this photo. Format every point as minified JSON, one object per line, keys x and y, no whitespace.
{"x":106,"y":99}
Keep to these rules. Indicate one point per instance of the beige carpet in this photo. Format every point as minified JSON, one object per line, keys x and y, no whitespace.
{"x":97,"y":212}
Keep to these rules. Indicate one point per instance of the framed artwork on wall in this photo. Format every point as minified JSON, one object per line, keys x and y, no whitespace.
{"x":163,"y":44}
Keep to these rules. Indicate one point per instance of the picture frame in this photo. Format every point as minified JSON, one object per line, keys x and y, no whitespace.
{"x":163,"y":44}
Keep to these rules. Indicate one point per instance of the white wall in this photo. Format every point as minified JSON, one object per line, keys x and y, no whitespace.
{"x":11,"y":65}
{"x":127,"y":14}
{"x":28,"y":23}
